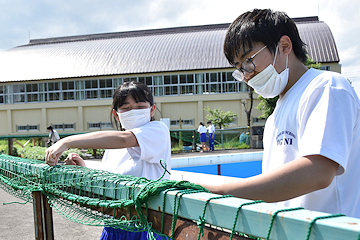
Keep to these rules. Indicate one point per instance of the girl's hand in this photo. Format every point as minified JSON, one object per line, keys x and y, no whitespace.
{"x":74,"y":159}
{"x":53,"y":153}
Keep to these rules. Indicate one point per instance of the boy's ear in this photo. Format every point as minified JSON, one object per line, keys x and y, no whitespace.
{"x":115,"y":115}
{"x":285,"y":45}
{"x":152,"y":110}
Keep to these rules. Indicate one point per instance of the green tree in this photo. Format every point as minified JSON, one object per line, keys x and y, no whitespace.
{"x":267,"y":105}
{"x":220,"y":118}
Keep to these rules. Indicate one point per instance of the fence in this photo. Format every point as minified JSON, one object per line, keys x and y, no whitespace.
{"x":227,"y":137}
{"x":176,"y":208}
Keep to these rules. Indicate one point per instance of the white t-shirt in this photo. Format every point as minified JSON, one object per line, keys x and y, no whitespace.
{"x":319,"y":115}
{"x":143,"y":161}
{"x":202,"y":129}
{"x":211,"y":128}
{"x":54,"y":136}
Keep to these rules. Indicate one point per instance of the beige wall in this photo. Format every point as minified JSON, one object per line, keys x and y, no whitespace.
{"x":61,"y":115}
{"x":24,"y":117}
{"x":83,"y":112}
{"x":4,"y":122}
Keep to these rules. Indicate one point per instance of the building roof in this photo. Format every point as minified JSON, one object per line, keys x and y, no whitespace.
{"x":137,"y":52}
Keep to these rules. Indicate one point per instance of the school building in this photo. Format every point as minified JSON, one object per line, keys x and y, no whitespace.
{"x":68,"y":82}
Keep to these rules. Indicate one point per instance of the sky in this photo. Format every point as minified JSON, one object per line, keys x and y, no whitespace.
{"x":22,"y":20}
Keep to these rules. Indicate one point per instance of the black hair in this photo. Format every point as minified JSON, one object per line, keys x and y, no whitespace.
{"x":209,"y":122}
{"x":139,"y":91}
{"x":262,"y":25}
{"x":201,"y":123}
{"x":49,"y":128}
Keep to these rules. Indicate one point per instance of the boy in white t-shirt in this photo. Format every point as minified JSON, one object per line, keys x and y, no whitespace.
{"x":312,"y":139}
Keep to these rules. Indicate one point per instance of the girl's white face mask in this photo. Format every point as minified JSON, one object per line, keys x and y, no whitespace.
{"x":268,"y":83}
{"x":134,"y":118}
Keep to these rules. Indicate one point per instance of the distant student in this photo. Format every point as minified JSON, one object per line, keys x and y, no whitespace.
{"x":211,"y":130}
{"x":53,"y":135}
{"x":203,"y":138}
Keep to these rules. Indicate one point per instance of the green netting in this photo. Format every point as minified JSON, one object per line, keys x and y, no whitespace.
{"x":78,"y":193}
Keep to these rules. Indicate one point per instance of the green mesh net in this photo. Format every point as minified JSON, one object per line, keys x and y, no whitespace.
{"x":85,"y":195}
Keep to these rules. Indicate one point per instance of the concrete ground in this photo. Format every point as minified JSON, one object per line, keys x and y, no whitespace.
{"x":17,"y":223}
{"x":17,"y":220}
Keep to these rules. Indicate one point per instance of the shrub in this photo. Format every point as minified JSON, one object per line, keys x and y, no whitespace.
{"x":38,"y":153}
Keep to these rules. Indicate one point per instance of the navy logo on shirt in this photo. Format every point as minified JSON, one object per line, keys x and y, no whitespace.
{"x":285,"y":138}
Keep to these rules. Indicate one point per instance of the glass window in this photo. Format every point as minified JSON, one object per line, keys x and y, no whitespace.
{"x":171,"y":79}
{"x":105,"y":88}
{"x":200,"y":86}
{"x":19,"y":93}
{"x":19,"y":88}
{"x":54,"y":91}
{"x":187,"y":89}
{"x":146,"y":80}
{"x":64,"y":126}
{"x":100,"y":125}
{"x":2,"y":95}
{"x":68,"y":91}
{"x":68,"y":96}
{"x":117,"y":82}
{"x":130,"y":79}
{"x":91,"y":84}
{"x":68,"y":85}
{"x":42,"y":92}
{"x":105,"y":83}
{"x":171,"y":90}
{"x":54,"y":86}
{"x":188,"y":78}
{"x":79,"y":92}
{"x":27,"y":128}
{"x":158,"y":88}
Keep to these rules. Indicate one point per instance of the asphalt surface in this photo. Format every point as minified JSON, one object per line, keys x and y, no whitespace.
{"x":17,"y":220}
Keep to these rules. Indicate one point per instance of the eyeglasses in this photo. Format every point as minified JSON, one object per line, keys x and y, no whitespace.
{"x":246,"y":66}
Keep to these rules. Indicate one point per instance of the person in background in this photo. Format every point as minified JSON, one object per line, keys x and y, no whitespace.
{"x":211,"y":130}
{"x":203,"y":138}
{"x":311,"y":155}
{"x":136,"y":151}
{"x":53,"y":135}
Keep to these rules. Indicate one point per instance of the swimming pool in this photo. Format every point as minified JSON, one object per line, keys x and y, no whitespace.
{"x":240,"y":170}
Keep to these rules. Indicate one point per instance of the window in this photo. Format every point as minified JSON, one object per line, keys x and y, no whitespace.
{"x":212,"y":79}
{"x":2,"y":95}
{"x":163,"y":85}
{"x":54,"y":91}
{"x":158,"y":86}
{"x":91,"y":89}
{"x":19,"y":93}
{"x":32,"y":94}
{"x":27,"y":128}
{"x":200,"y":83}
{"x":100,"y":125}
{"x":183,"y":122}
{"x":64,"y":126}
{"x":229,"y":84}
{"x":117,"y":82}
{"x":106,"y":88}
{"x":327,"y":68}
{"x":146,"y":80}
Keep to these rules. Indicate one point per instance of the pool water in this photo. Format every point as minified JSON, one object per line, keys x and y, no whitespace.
{"x":241,"y":170}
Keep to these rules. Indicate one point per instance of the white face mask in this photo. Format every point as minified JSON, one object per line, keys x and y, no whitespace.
{"x":134,"y":118}
{"x":268,"y":83}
